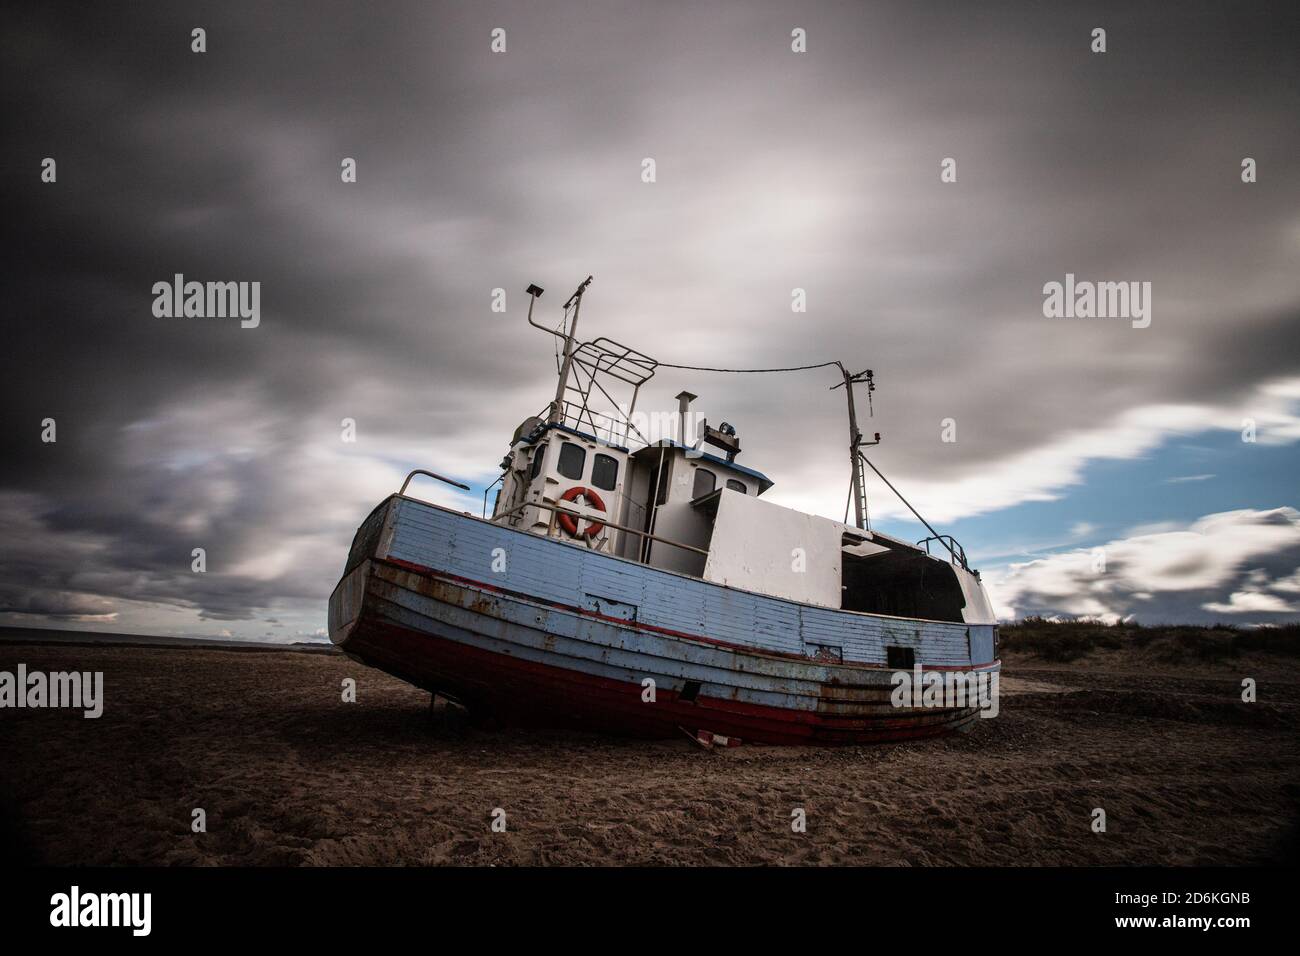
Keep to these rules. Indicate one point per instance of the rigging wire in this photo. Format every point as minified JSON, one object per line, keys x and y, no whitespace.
{"x":702,"y":368}
{"x":797,"y":368}
{"x":560,"y":332}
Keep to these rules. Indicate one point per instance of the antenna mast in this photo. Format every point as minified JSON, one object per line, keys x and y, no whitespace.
{"x":586,"y":370}
{"x":575,"y":300}
{"x":859,"y":487}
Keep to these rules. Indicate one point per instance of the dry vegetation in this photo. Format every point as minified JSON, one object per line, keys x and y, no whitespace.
{"x":1168,"y":646}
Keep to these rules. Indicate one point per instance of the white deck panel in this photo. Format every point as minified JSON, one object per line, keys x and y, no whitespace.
{"x":753,"y":547}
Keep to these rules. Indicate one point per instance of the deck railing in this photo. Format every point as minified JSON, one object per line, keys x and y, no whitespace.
{"x":950,"y":543}
{"x":556,"y":511}
{"x":421,"y":471}
{"x":615,"y":429}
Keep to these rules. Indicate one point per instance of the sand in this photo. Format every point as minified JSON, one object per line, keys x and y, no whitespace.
{"x":287,"y":773}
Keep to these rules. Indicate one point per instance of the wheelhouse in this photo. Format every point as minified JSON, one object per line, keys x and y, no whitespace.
{"x":572,"y":473}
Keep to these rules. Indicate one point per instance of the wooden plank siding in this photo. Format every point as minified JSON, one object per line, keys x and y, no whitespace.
{"x":558,"y":572}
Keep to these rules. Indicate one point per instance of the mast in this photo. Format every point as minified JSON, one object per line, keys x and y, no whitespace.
{"x":575,"y":300}
{"x":587,"y":368}
{"x":859,"y":488}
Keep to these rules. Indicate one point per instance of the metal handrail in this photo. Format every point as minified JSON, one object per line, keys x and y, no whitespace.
{"x":948,"y":541}
{"x":421,"y":471}
{"x":609,"y":524}
{"x":500,"y":478}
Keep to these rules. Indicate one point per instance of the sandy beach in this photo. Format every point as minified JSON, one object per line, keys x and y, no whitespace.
{"x":289,"y":774}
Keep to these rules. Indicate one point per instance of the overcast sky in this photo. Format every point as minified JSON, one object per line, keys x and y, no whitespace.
{"x":775,"y":170}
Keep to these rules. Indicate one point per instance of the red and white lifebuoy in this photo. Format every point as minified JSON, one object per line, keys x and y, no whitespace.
{"x":570,"y":524}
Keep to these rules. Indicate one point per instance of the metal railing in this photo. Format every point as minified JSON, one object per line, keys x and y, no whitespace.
{"x":499,"y":480}
{"x":421,"y":471}
{"x":615,"y":429}
{"x":950,"y":543}
{"x":556,"y":511}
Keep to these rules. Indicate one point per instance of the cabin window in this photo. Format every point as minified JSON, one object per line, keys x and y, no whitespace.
{"x":735,"y":485}
{"x":537,"y":462}
{"x":900,"y":658}
{"x":604,"y":472}
{"x":573,"y":458}
{"x":705,"y":482}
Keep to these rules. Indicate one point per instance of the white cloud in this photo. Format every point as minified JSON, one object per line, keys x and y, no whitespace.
{"x":1247,"y":602}
{"x":1222,"y":564}
{"x":1290,"y":585}
{"x":1043,"y":472}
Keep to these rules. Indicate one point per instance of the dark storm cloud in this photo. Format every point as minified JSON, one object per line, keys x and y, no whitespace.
{"x":476,"y":171}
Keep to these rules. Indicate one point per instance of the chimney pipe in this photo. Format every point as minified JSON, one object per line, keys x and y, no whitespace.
{"x":684,"y":400}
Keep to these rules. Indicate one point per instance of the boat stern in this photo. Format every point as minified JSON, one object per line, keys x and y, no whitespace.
{"x":371,"y":541}
{"x":346,"y":603}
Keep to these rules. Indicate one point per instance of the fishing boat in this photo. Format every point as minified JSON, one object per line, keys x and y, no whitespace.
{"x":644,"y":586}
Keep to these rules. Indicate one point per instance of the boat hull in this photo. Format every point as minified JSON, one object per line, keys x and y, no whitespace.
{"x":534,"y":660}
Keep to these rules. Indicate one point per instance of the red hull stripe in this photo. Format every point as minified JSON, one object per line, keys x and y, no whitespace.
{"x":529,"y":689}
